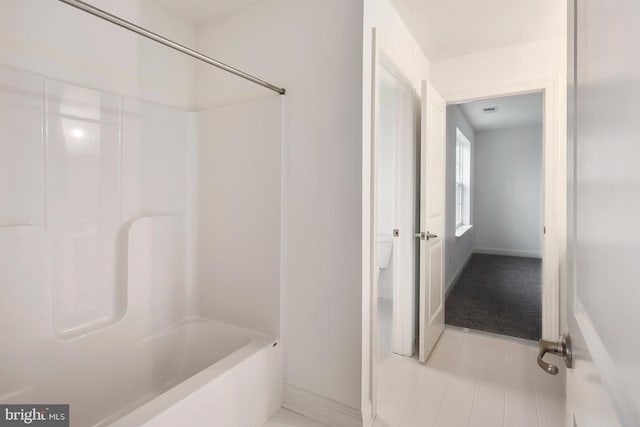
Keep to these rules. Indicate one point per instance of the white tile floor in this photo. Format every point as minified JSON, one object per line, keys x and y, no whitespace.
{"x":470,"y":380}
{"x":385,"y":319}
{"x":284,"y":418}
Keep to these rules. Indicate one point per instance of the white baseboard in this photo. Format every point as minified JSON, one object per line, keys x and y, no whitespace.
{"x":508,"y":252}
{"x":455,"y":278}
{"x":320,"y":408}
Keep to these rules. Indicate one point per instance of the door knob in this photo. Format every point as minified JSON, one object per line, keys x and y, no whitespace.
{"x":561,"y":348}
{"x":425,"y":236}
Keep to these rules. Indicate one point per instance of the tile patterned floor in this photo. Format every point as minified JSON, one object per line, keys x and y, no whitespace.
{"x":284,"y":418}
{"x":470,"y":380}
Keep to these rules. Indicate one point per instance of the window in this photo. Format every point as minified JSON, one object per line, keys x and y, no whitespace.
{"x":463,"y":184}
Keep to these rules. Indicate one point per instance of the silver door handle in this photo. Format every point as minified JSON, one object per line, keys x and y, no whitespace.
{"x":425,"y":236}
{"x":561,"y":348}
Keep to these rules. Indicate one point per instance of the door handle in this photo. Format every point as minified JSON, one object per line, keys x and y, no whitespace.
{"x":425,"y":236}
{"x":561,"y":348}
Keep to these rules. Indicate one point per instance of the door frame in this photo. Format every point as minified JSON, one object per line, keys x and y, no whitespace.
{"x":554,"y":190}
{"x":380,"y":48}
{"x":403,"y":304}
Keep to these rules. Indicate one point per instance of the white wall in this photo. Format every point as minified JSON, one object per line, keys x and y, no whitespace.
{"x":56,"y":40}
{"x":488,"y":72}
{"x":240,"y":205}
{"x":508,"y":191}
{"x":312,"y":49}
{"x":458,"y":249}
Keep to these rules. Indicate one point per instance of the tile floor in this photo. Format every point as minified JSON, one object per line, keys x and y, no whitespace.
{"x":471,"y":380}
{"x":284,"y":418}
{"x":385,"y":319}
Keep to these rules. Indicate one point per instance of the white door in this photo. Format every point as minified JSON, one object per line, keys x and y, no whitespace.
{"x":603,"y":387}
{"x":432,"y":210}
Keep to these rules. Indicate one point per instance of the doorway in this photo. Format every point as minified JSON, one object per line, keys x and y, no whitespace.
{"x":395,"y":216}
{"x":416,"y":263}
{"x":495,"y":215}
{"x":396,"y":211}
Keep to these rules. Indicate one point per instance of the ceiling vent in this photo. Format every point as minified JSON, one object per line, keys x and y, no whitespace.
{"x":490,"y":110}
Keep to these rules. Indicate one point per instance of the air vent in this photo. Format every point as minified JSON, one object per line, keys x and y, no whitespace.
{"x":490,"y":110}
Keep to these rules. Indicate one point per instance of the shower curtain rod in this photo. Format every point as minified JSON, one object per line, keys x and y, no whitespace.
{"x":169,"y":43}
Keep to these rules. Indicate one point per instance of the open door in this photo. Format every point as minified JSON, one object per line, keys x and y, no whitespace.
{"x":432,"y":218}
{"x":603,"y":386}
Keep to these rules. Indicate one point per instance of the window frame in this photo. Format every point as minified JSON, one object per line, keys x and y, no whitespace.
{"x":462,"y":184}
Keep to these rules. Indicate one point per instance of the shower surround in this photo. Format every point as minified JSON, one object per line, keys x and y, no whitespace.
{"x":110,"y":220}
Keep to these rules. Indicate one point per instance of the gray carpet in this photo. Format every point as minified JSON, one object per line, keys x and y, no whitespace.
{"x":498,"y":294}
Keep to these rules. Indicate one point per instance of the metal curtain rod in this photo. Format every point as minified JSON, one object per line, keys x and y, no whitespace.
{"x":169,"y":43}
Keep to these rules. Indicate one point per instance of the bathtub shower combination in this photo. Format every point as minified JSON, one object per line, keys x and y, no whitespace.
{"x":124,"y":290}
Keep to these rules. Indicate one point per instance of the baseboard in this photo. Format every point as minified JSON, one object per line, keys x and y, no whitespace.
{"x":508,"y":252}
{"x":455,"y":278}
{"x":320,"y":408}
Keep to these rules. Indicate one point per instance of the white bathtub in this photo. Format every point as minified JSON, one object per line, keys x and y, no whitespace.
{"x":224,"y":376}
{"x":198,"y":373}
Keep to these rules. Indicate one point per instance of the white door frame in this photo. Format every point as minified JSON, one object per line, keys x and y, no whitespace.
{"x":403,"y":327}
{"x":554,"y":215}
{"x":554,"y":192}
{"x":380,"y":47}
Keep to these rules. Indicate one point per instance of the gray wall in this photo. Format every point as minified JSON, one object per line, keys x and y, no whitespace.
{"x":458,"y":250}
{"x":508,"y":191}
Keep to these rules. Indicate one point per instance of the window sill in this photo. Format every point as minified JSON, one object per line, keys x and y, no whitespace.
{"x":460,"y":231}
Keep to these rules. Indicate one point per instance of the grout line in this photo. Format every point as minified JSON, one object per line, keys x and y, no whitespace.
{"x":522,"y":341}
{"x":535,"y":392}
{"x":504,"y":399}
{"x":504,"y":407}
{"x":449,"y":378}
{"x":473,"y":400}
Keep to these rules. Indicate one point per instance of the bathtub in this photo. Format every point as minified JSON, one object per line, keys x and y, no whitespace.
{"x":219,"y":375}
{"x":196,"y":373}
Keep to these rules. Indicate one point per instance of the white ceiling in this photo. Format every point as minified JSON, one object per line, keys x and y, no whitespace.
{"x":446,"y":28}
{"x":198,"y":11}
{"x":513,"y":111}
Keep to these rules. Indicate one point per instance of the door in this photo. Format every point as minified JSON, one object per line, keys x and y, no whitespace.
{"x":432,"y":209}
{"x":603,"y":388}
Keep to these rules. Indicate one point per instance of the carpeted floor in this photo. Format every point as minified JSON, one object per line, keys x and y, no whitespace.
{"x":499,"y":294}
